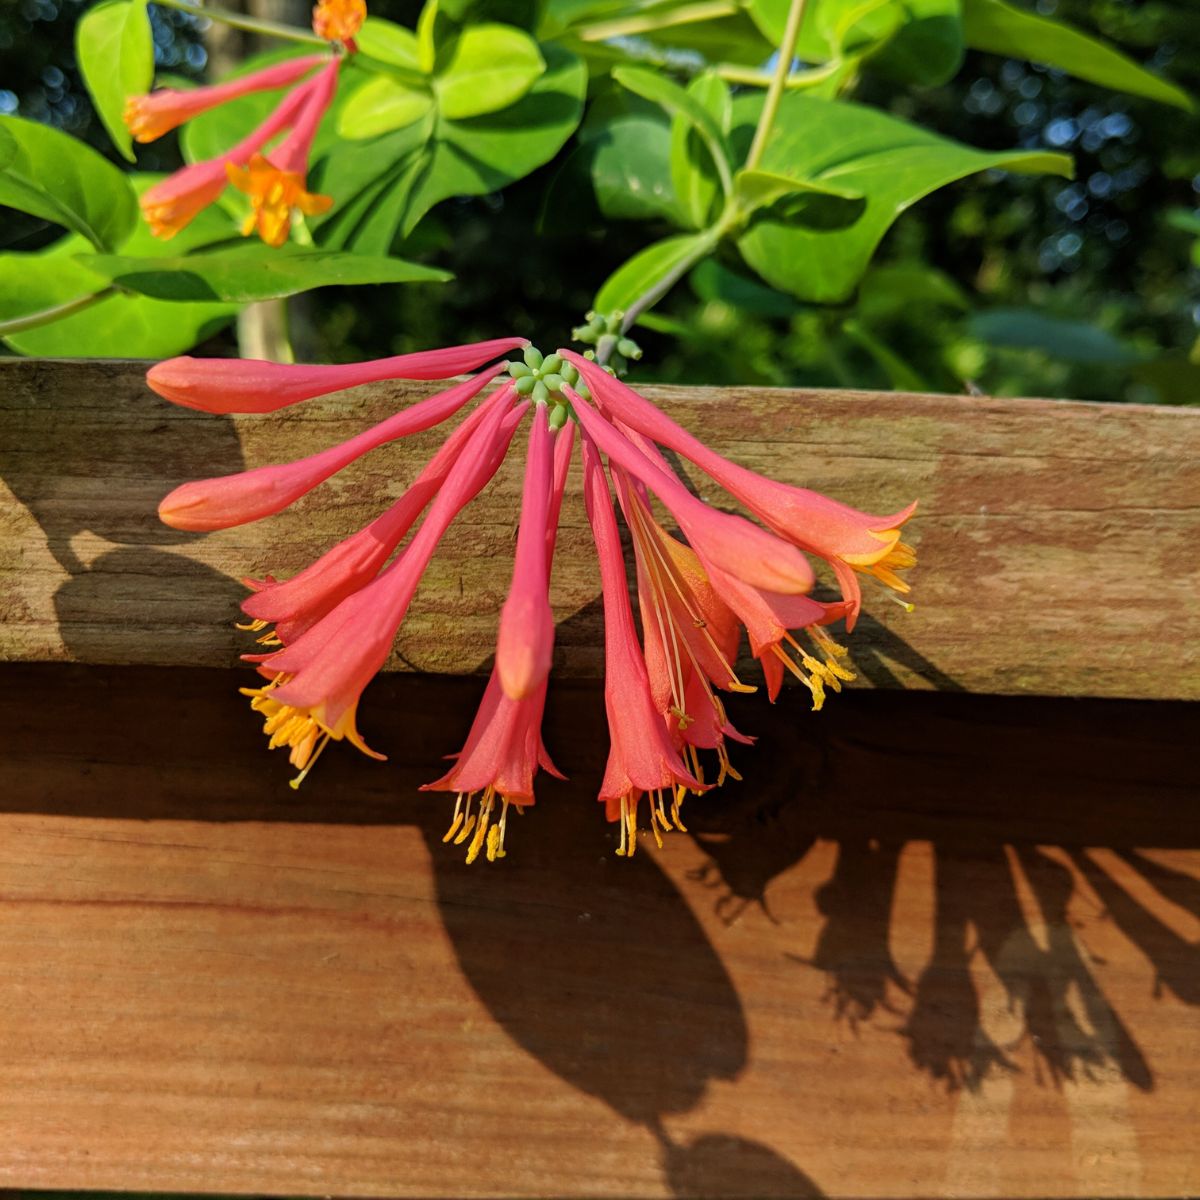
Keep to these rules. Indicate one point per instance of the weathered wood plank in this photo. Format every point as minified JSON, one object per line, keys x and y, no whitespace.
{"x":1058,"y":540}
{"x":974,"y":970}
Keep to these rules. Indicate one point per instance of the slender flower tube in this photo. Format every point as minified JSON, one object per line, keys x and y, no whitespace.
{"x":249,"y":385}
{"x":851,"y":541}
{"x":737,"y":545}
{"x":525,"y":642}
{"x":315,"y":684}
{"x":276,"y":184}
{"x":297,"y":604}
{"x":641,"y":757}
{"x":172,"y":203}
{"x":228,"y":500}
{"x":338,"y":20}
{"x":151,"y":115}
{"x":504,"y":749}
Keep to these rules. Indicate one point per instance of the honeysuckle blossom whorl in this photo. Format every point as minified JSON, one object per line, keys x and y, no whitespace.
{"x":324,"y":633}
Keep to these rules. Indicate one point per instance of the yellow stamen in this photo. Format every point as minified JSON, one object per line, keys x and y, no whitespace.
{"x":274,"y":194}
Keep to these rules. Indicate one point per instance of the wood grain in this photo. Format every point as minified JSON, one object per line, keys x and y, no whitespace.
{"x":935,"y":945}
{"x":1058,"y":540}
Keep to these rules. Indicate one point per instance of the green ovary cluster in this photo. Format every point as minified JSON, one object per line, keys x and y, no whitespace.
{"x":542,"y":378}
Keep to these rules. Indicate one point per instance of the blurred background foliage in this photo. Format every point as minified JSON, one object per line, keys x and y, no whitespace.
{"x":1035,"y":285}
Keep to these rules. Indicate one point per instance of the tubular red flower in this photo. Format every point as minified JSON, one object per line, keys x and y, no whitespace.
{"x":850,"y":540}
{"x":641,"y":757}
{"x":737,"y":545}
{"x":172,"y":203}
{"x":229,"y":500}
{"x":315,"y":683}
{"x":276,"y":183}
{"x":248,"y":385}
{"x":504,"y":748}
{"x":297,"y":604}
{"x":151,"y":115}
{"x":525,"y":641}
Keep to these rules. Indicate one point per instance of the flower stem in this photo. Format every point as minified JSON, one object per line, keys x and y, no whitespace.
{"x":47,"y":315}
{"x":250,"y":24}
{"x":783,"y":68}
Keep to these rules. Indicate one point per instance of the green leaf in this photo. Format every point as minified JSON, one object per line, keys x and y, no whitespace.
{"x":712,"y":281}
{"x":426,"y":43}
{"x":484,"y":154}
{"x":1000,"y":28}
{"x":126,"y":326}
{"x":693,"y":175}
{"x":379,"y":106}
{"x":817,"y":247}
{"x":662,"y":91}
{"x":1057,"y":337}
{"x":54,"y":176}
{"x":913,"y":41}
{"x":243,"y":274}
{"x":490,"y":68}
{"x":115,"y":51}
{"x":635,"y":277}
{"x":628,"y":167}
{"x":387,"y":42}
{"x":8,"y":148}
{"x":1186,"y":219}
{"x":759,"y":189}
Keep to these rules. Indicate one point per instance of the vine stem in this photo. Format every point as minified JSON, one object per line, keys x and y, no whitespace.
{"x":46,"y":315}
{"x":250,"y":24}
{"x":783,"y":68}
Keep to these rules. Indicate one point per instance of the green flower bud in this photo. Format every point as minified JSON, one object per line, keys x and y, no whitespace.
{"x":552,"y":365}
{"x":540,"y":393}
{"x":558,"y":416}
{"x":533,"y":357}
{"x":518,"y":370}
{"x":582,"y":391}
{"x":553,"y":382}
{"x":570,"y":373}
{"x":525,"y":385}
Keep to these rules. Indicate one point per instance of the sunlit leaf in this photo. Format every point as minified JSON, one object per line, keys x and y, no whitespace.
{"x":490,"y":68}
{"x":115,"y":52}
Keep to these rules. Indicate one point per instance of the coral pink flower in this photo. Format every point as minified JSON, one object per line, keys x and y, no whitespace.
{"x":525,"y":641}
{"x":737,"y":545}
{"x":150,"y":116}
{"x":315,"y":683}
{"x":229,"y":500}
{"x":504,"y":748}
{"x":172,"y":203}
{"x":275,"y":183}
{"x":297,"y":604}
{"x":248,"y":385}
{"x":641,"y":757}
{"x":851,"y":541}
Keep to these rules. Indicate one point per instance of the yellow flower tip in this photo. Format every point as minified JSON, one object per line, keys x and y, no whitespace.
{"x":338,"y":20}
{"x":141,"y":122}
{"x":274,"y":194}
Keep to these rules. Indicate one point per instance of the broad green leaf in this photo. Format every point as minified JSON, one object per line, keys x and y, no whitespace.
{"x":635,"y":277}
{"x":490,"y":68}
{"x":379,"y":106}
{"x":387,"y":42}
{"x":483,"y":154}
{"x":731,"y":39}
{"x":914,"y":41}
{"x":693,"y":175}
{"x":55,"y":176}
{"x":242,"y":274}
{"x":8,"y":148}
{"x":759,"y":189}
{"x":376,"y":231}
{"x":115,"y":51}
{"x":628,"y":164}
{"x":817,"y":247}
{"x":711,"y":280}
{"x":125,"y":326}
{"x":1071,"y":341}
{"x":662,"y":91}
{"x":1001,"y":28}
{"x":426,"y":44}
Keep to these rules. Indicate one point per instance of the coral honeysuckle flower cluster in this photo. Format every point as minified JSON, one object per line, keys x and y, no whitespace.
{"x":325,"y":632}
{"x":273,"y":179}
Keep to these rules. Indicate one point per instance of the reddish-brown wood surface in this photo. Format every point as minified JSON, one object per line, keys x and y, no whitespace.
{"x":933,"y":946}
{"x":1057,"y":540}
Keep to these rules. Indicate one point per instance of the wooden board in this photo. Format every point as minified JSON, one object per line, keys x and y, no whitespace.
{"x":936,"y":945}
{"x":1057,"y":540}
